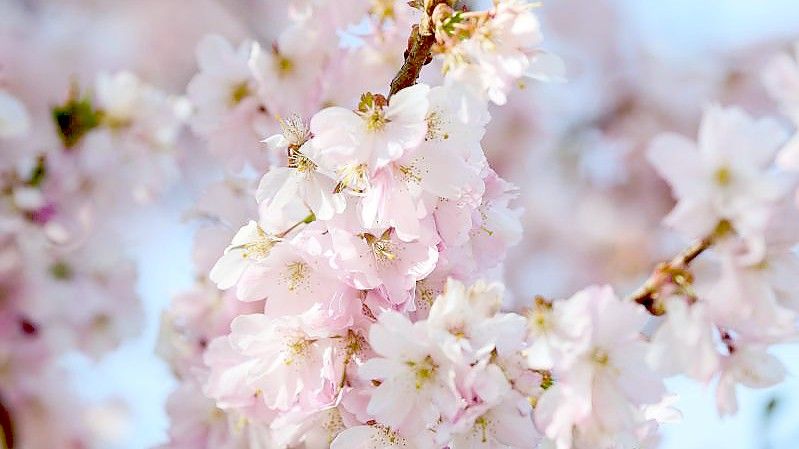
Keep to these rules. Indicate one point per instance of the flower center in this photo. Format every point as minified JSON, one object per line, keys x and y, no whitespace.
{"x":297,"y":275}
{"x":372,"y":110}
{"x":723,"y":176}
{"x":285,"y":66}
{"x":435,"y":127}
{"x":353,"y":177}
{"x":538,"y":317}
{"x":299,"y":161}
{"x":383,"y":9}
{"x":423,"y":371}
{"x":411,"y":173}
{"x":600,"y":357}
{"x":296,"y":348}
{"x":424,"y":294}
{"x":382,"y":247}
{"x":385,"y":437}
{"x":481,"y":425}
{"x":261,"y":247}
{"x":295,"y":130}
{"x":239,"y":92}
{"x":333,"y":424}
{"x":375,"y":120}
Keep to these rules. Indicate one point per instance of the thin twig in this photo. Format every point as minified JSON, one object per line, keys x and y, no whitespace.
{"x":664,"y":273}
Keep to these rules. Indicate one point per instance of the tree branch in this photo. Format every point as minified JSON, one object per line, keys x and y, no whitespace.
{"x":666,"y":273}
{"x":418,"y":54}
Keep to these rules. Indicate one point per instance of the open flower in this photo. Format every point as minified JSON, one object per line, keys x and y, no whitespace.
{"x":600,"y":392}
{"x":723,"y":177}
{"x":282,"y":188}
{"x":250,"y":245}
{"x":286,"y":363}
{"x":378,"y":132}
{"x":382,"y":260}
{"x":227,"y":111}
{"x":415,"y":389}
{"x":489,"y":51}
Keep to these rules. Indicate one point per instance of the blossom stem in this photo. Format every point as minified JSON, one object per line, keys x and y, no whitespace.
{"x":309,"y":219}
{"x":665,"y":273}
{"x":418,"y":54}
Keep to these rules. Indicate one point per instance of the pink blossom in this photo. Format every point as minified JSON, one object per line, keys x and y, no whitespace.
{"x":374,"y":135}
{"x":723,"y":177}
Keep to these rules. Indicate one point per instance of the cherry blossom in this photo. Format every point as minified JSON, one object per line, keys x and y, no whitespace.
{"x":725,"y":176}
{"x":358,"y":308}
{"x":227,"y":112}
{"x":371,"y":137}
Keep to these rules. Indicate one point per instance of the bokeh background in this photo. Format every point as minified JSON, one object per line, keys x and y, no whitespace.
{"x":592,"y":206}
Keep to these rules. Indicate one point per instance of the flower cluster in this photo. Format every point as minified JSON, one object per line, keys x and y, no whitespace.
{"x":353,"y":312}
{"x":367,"y":209}
{"x":239,"y":91}
{"x":490,"y":51}
{"x":66,"y":283}
{"x":376,"y":208}
{"x":732,"y":196}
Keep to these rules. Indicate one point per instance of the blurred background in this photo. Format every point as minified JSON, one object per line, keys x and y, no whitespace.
{"x":591,"y":204}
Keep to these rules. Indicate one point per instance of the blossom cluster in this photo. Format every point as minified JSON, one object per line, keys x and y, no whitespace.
{"x":731,"y":196}
{"x":352,"y":312}
{"x":67,"y":174}
{"x":367,"y":209}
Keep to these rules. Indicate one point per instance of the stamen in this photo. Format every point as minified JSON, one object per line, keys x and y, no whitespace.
{"x":382,"y":247}
{"x":353,"y":177}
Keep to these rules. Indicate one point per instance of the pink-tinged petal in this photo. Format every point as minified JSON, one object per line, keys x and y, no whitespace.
{"x":246,"y":330}
{"x":386,"y":338}
{"x":556,"y":418}
{"x":678,"y":161}
{"x":255,"y":283}
{"x":359,"y":437}
{"x":321,"y":199}
{"x":514,"y":423}
{"x":391,"y":405}
{"x":333,"y":130}
{"x":693,"y":216}
{"x":248,"y":233}
{"x":453,"y":222}
{"x":212,"y":51}
{"x":443,"y":173}
{"x":788,"y":158}
{"x":732,"y":134}
{"x":726,"y":399}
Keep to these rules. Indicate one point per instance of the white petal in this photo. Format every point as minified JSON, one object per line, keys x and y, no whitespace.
{"x":276,"y":142}
{"x":409,"y":105}
{"x":547,"y":67}
{"x":212,"y":51}
{"x":14,"y":118}
{"x":227,"y":270}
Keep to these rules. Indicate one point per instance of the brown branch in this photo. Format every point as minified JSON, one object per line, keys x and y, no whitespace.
{"x":418,"y":54}
{"x":673,"y":271}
